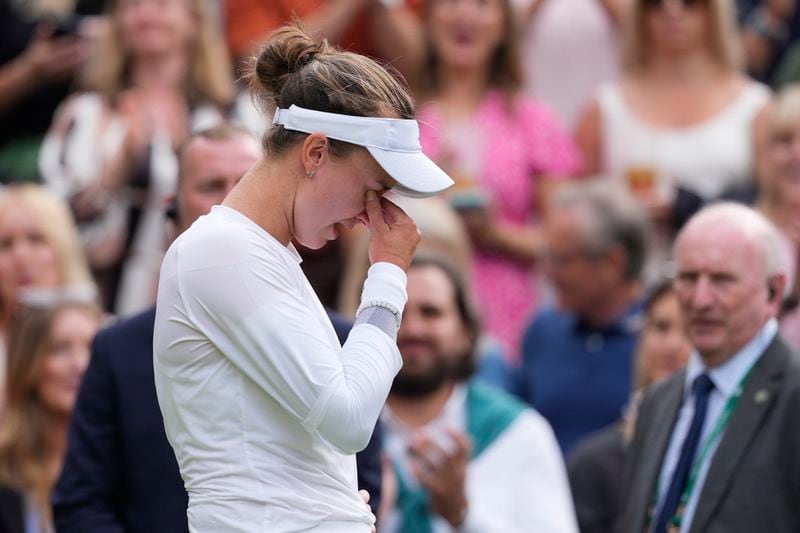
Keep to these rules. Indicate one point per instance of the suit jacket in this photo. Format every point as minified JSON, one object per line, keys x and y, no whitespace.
{"x":120,"y":473}
{"x":753,"y":482}
{"x":12,"y":510}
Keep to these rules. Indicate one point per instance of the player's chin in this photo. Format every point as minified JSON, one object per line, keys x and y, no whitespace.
{"x":317,"y":241}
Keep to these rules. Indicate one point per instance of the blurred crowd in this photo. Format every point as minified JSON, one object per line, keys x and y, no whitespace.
{"x":545,"y":308}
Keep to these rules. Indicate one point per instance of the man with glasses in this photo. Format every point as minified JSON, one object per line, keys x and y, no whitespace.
{"x":577,"y":359}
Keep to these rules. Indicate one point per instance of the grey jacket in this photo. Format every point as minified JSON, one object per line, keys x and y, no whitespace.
{"x":753,"y":483}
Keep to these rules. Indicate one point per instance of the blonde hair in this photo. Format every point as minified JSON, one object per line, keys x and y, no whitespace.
{"x":506,"y":72}
{"x":723,"y":33}
{"x":784,"y":112}
{"x":209,"y":78}
{"x":293,"y":69}
{"x":783,"y":116}
{"x":58,"y":227}
{"x":24,"y":430}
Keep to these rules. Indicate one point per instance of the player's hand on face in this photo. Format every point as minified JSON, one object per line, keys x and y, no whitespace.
{"x":394,"y":235}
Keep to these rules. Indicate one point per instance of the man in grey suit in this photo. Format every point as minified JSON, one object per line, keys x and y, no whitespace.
{"x":717,"y":446}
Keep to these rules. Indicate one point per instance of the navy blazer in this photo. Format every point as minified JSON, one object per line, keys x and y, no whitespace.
{"x":120,"y":473}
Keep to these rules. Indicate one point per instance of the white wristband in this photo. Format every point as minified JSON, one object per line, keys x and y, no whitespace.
{"x":384,"y":305}
{"x":385,"y":286}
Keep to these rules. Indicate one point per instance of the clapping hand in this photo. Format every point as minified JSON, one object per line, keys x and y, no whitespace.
{"x":442,"y":472}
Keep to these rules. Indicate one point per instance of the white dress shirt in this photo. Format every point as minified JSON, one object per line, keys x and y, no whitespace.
{"x":261,"y":404}
{"x":726,"y":378}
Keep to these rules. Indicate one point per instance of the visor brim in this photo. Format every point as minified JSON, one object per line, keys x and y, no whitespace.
{"x":416,"y":175}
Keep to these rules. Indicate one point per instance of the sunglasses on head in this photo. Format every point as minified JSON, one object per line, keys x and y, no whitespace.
{"x":685,"y":3}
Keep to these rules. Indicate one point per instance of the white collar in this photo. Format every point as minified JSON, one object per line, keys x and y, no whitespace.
{"x":727,"y":376}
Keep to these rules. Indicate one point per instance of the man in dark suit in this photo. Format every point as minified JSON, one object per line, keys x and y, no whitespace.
{"x":717,"y":446}
{"x":120,"y":473}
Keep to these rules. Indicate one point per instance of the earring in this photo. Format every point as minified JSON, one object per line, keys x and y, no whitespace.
{"x":311,"y":173}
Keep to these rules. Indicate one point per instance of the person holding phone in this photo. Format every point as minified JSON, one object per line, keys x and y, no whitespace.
{"x":261,"y":404}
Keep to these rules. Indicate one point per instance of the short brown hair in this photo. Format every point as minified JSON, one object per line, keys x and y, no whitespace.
{"x":293,"y":69}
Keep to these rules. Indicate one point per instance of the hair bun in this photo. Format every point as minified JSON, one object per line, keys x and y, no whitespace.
{"x":287,"y":51}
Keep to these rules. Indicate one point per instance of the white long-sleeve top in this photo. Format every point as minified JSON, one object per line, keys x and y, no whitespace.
{"x":261,"y":404}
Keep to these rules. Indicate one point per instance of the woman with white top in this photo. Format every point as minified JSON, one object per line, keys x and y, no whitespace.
{"x":158,"y":72}
{"x":682,"y":126}
{"x":682,"y":115}
{"x":261,"y":404}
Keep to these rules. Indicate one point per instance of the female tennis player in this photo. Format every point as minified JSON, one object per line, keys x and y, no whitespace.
{"x":263,"y":407}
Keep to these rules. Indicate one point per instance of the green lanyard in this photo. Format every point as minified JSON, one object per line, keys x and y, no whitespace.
{"x":716,"y":432}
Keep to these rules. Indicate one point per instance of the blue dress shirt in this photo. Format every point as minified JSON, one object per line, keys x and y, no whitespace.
{"x":578,"y":377}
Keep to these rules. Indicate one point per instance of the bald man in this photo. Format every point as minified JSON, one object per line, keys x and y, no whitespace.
{"x":717,"y":446}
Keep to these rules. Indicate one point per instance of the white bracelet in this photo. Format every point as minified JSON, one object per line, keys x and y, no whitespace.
{"x":386,"y":305}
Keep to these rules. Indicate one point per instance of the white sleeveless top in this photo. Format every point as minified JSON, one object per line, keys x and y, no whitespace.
{"x":707,"y":158}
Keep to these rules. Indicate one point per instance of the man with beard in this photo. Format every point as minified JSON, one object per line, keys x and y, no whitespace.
{"x":466,"y":457}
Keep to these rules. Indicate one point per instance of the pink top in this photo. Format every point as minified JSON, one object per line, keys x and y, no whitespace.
{"x":515,"y":149}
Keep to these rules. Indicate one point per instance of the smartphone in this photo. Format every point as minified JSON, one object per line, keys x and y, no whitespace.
{"x":469,"y":200}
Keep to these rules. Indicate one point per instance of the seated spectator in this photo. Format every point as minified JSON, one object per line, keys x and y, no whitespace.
{"x":681,"y":94}
{"x":39,"y":249}
{"x":779,"y":195}
{"x":48,"y":353}
{"x":577,"y":360}
{"x":595,"y":465}
{"x":466,"y":457}
{"x":43,"y":44}
{"x":502,"y":148}
{"x":159,"y":72}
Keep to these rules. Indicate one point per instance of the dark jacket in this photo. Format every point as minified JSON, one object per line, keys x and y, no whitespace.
{"x":753,"y":481}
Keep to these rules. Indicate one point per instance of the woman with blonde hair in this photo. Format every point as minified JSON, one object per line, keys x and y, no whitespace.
{"x":48,"y":354}
{"x":682,"y":122}
{"x":779,"y":194}
{"x":502,"y":148}
{"x":39,"y":247}
{"x":158,"y":73}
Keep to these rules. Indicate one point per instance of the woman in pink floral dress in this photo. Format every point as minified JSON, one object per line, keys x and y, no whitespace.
{"x":503,"y":149}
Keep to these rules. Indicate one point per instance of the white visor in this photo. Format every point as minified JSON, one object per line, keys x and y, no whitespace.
{"x":393,"y":142}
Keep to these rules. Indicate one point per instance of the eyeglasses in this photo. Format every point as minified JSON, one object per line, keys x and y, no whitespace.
{"x":688,"y":4}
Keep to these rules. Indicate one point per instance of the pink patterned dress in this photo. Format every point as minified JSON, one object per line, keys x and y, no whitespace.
{"x":507,"y":152}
